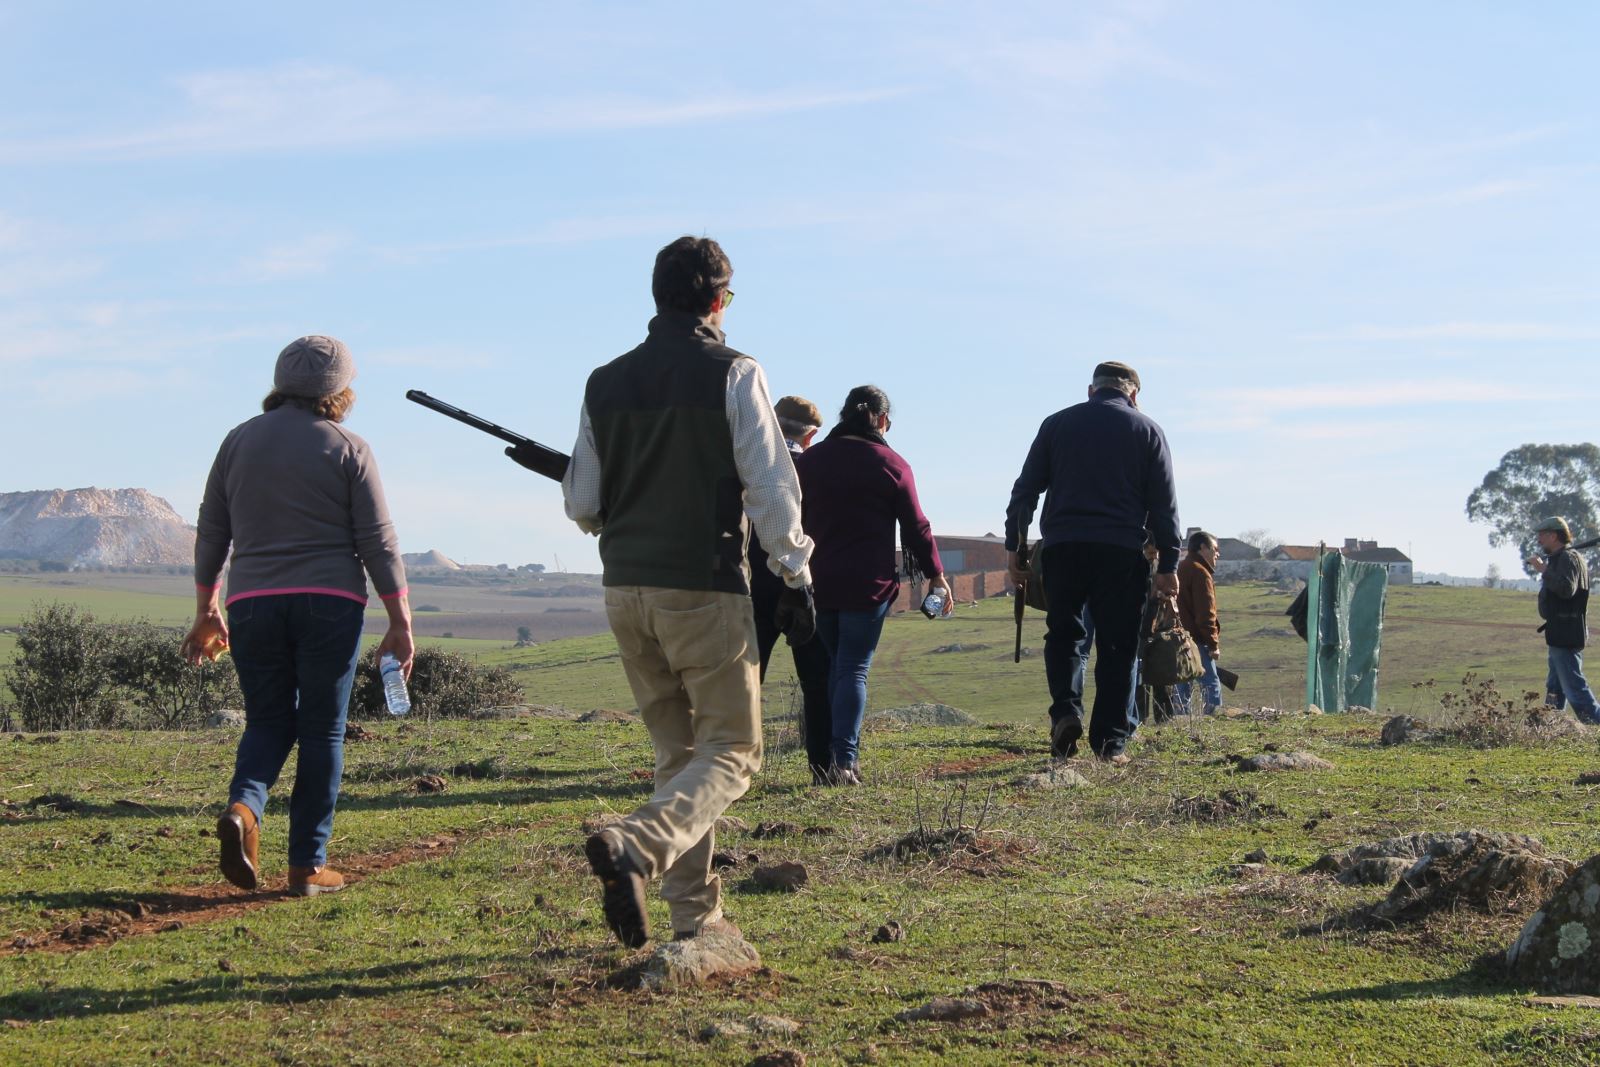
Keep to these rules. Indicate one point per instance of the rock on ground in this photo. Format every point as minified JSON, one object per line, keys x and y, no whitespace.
{"x":227,"y":718}
{"x":944,"y":1009}
{"x":678,"y":964}
{"x":764,"y":1025}
{"x":1400,"y":729}
{"x":1558,"y":950}
{"x":787,"y":876}
{"x":925,"y":714}
{"x":1481,"y":870}
{"x":1381,"y":862}
{"x":1285,"y":761}
{"x":1053,"y":778}
{"x":608,"y":715}
{"x":783,"y":1057}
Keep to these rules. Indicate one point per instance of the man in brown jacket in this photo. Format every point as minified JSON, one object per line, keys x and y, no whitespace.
{"x":1197,"y":610}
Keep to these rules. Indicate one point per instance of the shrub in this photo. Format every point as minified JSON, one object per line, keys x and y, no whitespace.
{"x":60,"y":676}
{"x":443,"y":684}
{"x":144,"y":661}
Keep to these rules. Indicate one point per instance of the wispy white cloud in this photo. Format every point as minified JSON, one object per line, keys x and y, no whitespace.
{"x":299,"y":107}
{"x":1375,"y":393}
{"x":303,"y":257}
{"x":1470,"y":331}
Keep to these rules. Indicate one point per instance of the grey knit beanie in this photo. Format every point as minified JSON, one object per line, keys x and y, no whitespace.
{"x":313,"y":366}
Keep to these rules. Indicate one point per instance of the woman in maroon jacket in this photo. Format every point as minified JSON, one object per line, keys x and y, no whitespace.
{"x":855,"y":490}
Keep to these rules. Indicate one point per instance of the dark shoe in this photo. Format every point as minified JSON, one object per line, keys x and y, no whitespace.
{"x":239,"y":835}
{"x":819,"y":774}
{"x":1064,"y":735}
{"x":850,"y":775}
{"x":722,"y":927}
{"x":622,"y":888}
{"x":309,"y":881}
{"x":1114,"y":755}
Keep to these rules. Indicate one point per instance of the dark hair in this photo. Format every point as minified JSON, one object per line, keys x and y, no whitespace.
{"x":1200,"y":539}
{"x":690,"y":273}
{"x":862,"y":406}
{"x":334,"y":406}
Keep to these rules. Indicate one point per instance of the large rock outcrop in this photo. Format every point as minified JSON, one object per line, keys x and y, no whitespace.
{"x":94,"y":527}
{"x":1558,"y":950}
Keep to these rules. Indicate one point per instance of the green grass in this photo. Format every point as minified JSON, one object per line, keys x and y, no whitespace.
{"x":493,"y":952}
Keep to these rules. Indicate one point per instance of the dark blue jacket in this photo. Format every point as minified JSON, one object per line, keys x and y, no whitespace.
{"x":1106,"y":473}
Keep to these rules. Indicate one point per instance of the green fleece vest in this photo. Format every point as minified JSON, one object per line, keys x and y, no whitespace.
{"x":672,"y":501}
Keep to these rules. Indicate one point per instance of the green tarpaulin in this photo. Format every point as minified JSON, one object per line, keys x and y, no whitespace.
{"x":1344,"y":627}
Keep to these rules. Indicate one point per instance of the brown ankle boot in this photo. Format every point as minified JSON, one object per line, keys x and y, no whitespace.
{"x":309,"y":881}
{"x":239,"y":834}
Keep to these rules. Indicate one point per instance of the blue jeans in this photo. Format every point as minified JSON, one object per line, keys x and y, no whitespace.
{"x":1210,"y":684}
{"x":851,"y":637}
{"x":296,"y":656}
{"x":1566,"y":683}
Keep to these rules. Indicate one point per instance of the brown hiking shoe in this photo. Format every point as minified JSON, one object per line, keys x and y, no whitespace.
{"x":723,"y":927}
{"x":309,"y":881}
{"x":239,"y":834}
{"x":621,"y":888}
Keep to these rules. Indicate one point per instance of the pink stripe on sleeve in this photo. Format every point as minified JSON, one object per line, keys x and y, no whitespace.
{"x":397,"y":594}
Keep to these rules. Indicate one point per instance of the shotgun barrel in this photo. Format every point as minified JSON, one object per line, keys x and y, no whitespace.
{"x":524,"y":451}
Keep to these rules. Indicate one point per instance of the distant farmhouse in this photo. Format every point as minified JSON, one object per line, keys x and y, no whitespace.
{"x":976,"y":566}
{"x":1297,"y":560}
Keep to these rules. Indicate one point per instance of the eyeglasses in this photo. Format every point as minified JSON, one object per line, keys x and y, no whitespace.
{"x":727,"y":298}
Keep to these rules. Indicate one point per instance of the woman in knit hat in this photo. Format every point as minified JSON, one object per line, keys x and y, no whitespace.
{"x":297,"y":496}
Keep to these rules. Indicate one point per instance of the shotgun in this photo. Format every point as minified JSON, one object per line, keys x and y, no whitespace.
{"x":1020,"y":594}
{"x":538,"y":458}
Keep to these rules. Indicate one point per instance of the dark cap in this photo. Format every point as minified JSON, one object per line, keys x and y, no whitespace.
{"x":1113,"y":369}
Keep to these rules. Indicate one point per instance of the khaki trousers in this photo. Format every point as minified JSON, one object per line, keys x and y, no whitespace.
{"x":692,"y":662}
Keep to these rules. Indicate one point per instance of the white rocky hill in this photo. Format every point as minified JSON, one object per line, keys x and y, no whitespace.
{"x":432,"y":559}
{"x":94,"y":527}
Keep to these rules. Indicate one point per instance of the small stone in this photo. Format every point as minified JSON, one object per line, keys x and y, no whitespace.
{"x":889,"y":933}
{"x":677,"y":964}
{"x":1374,"y":870}
{"x":1258,"y":856}
{"x":226,"y":966}
{"x":1399,"y":730}
{"x":430,"y":783}
{"x":1563,"y":1002}
{"x":783,"y":1057}
{"x":226,"y":718}
{"x":1285,"y":761}
{"x":786,"y":876}
{"x":944,"y":1009}
{"x":1054,"y":777}
{"x":731,"y":824}
{"x":165,"y":831}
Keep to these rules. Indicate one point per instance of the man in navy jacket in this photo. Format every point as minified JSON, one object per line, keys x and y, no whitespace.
{"x":1106,"y":474}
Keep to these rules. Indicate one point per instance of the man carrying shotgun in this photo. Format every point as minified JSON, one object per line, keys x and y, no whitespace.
{"x":677,"y":444}
{"x":1106,"y":473}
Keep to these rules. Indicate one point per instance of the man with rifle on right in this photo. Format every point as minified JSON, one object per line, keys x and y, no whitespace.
{"x":1106,"y":473}
{"x":1563,"y":605}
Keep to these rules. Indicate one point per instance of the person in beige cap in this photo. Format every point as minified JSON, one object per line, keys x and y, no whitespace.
{"x":1563,"y":605}
{"x":297,"y":497}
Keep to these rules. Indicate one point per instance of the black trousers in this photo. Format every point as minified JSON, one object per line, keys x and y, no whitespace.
{"x":1111,"y":582}
{"x":811,"y":665}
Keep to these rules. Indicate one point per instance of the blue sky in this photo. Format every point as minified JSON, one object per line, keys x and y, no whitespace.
{"x":1352,"y":249}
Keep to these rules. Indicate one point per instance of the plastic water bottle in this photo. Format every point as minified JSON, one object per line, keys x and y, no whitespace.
{"x":394,"y":685}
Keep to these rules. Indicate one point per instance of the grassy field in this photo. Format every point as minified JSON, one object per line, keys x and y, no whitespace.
{"x":474,"y":934}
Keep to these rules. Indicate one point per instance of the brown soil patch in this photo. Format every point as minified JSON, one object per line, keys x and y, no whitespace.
{"x":955,"y":768}
{"x":162,"y":912}
{"x":1225,"y":806}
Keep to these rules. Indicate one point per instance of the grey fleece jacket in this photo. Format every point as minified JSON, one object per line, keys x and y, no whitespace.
{"x":299,"y":498}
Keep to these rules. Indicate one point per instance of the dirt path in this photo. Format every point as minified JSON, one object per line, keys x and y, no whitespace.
{"x":164,"y":911}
